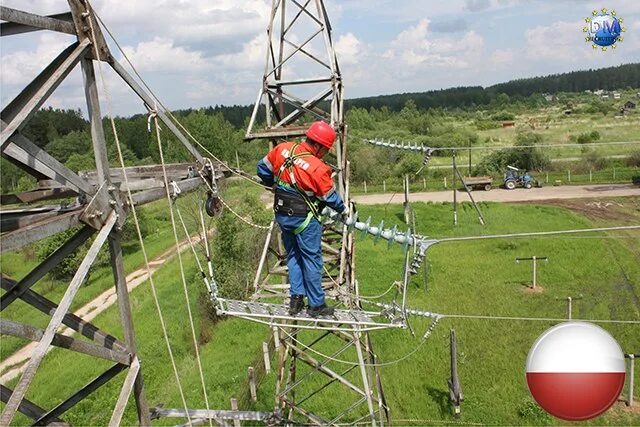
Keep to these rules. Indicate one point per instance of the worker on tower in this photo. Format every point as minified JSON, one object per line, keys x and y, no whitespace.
{"x":303,"y":186}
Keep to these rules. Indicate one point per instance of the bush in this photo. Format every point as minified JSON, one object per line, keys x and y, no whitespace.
{"x":237,"y":246}
{"x":636,"y":179}
{"x":66,"y":268}
{"x":633,"y":160}
{"x":502,"y":116}
{"x":526,"y":158}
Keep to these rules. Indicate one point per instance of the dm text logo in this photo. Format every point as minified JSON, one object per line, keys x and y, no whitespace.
{"x":604,"y":29}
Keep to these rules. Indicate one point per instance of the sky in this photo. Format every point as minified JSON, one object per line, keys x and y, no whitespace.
{"x":197,"y":53}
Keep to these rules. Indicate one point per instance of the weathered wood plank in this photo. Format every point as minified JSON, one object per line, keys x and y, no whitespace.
{"x":35,"y":94}
{"x":41,"y":349}
{"x":45,"y":267}
{"x":20,"y":330}
{"x":70,"y":320}
{"x":27,"y":407}
{"x":81,"y":394}
{"x":38,"y":231}
{"x":24,"y":22}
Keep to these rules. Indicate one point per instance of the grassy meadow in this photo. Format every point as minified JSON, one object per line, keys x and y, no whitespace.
{"x":469,"y":278}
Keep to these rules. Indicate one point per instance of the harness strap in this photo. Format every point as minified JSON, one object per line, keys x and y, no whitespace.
{"x":288,"y":164}
{"x":304,"y":225}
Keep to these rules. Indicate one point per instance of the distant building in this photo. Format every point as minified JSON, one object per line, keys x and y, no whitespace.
{"x":629,"y":105}
{"x":549,"y":98}
{"x":616,"y":95}
{"x":509,"y":124}
{"x":598,"y":92}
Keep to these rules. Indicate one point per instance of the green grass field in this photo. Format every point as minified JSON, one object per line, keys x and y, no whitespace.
{"x":473,"y":278}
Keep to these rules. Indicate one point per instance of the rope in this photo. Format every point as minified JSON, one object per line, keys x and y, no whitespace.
{"x":241,"y":174}
{"x":133,"y":211}
{"x":182,"y":275}
{"x":236,"y":214}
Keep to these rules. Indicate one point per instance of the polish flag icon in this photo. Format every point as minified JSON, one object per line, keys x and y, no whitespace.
{"x":575,"y":371}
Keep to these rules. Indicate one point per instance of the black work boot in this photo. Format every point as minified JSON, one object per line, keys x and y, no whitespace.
{"x":320,"y":311}
{"x":296,"y":304}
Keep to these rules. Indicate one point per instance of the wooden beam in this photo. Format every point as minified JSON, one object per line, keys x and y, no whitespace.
{"x":38,"y":231}
{"x":125,"y":392}
{"x":31,"y":333}
{"x":23,"y":22}
{"x":70,"y":320}
{"x":117,"y":266}
{"x":27,"y":407}
{"x":35,"y":158}
{"x":45,"y":267}
{"x":18,"y":112}
{"x":149,"y":196}
{"x":81,"y":394}
{"x":41,"y":349}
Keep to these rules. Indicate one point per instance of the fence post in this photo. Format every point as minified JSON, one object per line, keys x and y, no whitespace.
{"x":252,"y":384}
{"x":234,"y":407}
{"x":569,"y":175}
{"x":237,"y":161}
{"x":632,"y":362}
{"x":267,"y":357}
{"x":547,"y":177}
{"x":614,"y":173}
{"x":424,"y":183}
{"x":445,"y":182}
{"x":384,"y":186}
{"x":365,"y":186}
{"x":590,"y":175}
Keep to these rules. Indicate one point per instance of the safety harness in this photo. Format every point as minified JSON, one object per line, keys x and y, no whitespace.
{"x":290,"y":204}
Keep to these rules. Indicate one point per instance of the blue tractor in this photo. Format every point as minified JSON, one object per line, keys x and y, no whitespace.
{"x":513,"y":178}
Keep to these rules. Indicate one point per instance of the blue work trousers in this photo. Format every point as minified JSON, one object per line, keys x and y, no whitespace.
{"x":304,"y":257}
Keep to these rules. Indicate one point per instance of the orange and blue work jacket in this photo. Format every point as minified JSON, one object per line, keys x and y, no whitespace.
{"x":305,"y":174}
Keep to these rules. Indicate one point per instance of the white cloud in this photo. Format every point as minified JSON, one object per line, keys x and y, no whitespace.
{"x":162,"y":54}
{"x":416,"y":46}
{"x":349,"y":49}
{"x":552,"y":43}
{"x":20,"y":67}
{"x":195,"y":20}
{"x":252,"y":55}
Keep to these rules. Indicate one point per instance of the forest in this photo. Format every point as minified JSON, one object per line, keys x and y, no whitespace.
{"x":451,"y":117}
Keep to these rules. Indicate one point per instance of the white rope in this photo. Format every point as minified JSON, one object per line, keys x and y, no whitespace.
{"x":182,"y":274}
{"x":135,"y":215}
{"x":236,"y":214}
{"x":241,"y":174}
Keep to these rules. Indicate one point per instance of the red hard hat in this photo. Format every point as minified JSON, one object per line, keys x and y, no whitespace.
{"x":322,"y":133}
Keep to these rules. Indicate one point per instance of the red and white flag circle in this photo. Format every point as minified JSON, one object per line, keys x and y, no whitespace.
{"x":575,"y":371}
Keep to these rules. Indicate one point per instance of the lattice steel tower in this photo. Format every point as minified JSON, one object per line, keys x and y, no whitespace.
{"x":302,"y":83}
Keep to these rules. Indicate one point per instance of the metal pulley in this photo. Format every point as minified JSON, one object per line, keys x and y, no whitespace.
{"x":213,"y":205}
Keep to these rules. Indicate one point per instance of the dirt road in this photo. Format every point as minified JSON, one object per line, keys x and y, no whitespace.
{"x":15,"y":364}
{"x":517,"y":195}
